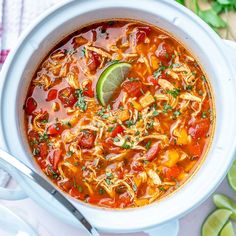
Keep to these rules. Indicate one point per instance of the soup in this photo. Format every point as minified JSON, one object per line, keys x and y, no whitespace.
{"x":119,"y":114}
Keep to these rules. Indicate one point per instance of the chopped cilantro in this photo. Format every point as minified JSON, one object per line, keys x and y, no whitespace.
{"x":83,"y":168}
{"x":155,"y":113}
{"x":81,"y":102}
{"x":134,"y":186}
{"x":36,"y":151}
{"x":69,"y":153}
{"x":161,"y":188}
{"x":189,"y":87}
{"x":101,"y":191}
{"x":44,"y":121}
{"x":137,"y":133}
{"x":167,"y":108}
{"x":116,"y":139}
{"x":102,"y":114}
{"x":43,"y":137}
{"x":80,"y":188}
{"x":110,"y":129}
{"x":148,"y":145}
{"x":204,"y":114}
{"x":108,"y":181}
{"x":67,"y":123}
{"x":110,"y":23}
{"x":129,"y":123}
{"x":109,"y":175}
{"x":177,"y":113}
{"x":175,"y":92}
{"x":150,"y":124}
{"x":203,"y":78}
{"x":158,"y":72}
{"x":83,"y":51}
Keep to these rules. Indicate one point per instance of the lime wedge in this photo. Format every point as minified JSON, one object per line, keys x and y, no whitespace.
{"x":228,"y":230}
{"x":232,"y":176}
{"x":215,"y":222}
{"x":110,"y":79}
{"x":224,"y":202}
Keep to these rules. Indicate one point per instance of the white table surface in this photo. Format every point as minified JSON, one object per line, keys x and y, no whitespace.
{"x":48,"y":225}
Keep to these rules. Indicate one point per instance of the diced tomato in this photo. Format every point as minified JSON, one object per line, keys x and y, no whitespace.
{"x":94,"y":61}
{"x":74,"y":192}
{"x":142,"y":33}
{"x":55,"y":129}
{"x":152,"y":152}
{"x":30,"y":105}
{"x":172,"y":172}
{"x":199,"y":129}
{"x":54,"y":158}
{"x":120,"y":174}
{"x":52,"y":94}
{"x":67,"y":96}
{"x":93,"y":200}
{"x":88,"y":91}
{"x":133,"y":88}
{"x":195,"y":150}
{"x":151,"y":79}
{"x":86,"y":139}
{"x":125,"y":200}
{"x":136,"y":166}
{"x":118,"y":130}
{"x":43,"y":148}
{"x":42,"y":163}
{"x":164,"y":53}
{"x":33,"y":135}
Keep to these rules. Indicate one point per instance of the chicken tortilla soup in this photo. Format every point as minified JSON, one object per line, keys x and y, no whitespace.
{"x":119,"y":114}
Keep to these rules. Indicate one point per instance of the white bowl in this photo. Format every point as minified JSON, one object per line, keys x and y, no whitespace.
{"x":207,"y":47}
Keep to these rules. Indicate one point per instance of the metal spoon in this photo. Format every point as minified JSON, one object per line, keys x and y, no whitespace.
{"x":31,"y":174}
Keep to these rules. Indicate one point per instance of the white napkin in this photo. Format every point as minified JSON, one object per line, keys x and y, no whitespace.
{"x":15,"y":16}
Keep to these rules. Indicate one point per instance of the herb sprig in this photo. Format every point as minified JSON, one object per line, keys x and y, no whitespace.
{"x":213,"y":15}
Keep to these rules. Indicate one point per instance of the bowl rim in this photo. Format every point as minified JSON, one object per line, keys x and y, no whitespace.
{"x":5,"y":139}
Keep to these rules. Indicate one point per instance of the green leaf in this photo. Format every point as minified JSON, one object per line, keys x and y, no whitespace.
{"x":224,"y":2}
{"x":181,"y":2}
{"x":217,"y":7}
{"x":211,"y":17}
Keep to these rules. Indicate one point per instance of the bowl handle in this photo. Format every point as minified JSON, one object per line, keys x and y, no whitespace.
{"x":10,"y":194}
{"x":6,"y":193}
{"x":171,"y":229}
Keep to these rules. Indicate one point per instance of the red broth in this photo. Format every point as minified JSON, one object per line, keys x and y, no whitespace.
{"x":146,"y":142}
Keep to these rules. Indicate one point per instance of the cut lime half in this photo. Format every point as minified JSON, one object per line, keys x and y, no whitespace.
{"x":110,"y":79}
{"x":227,"y":230}
{"x":215,"y":222}
{"x":224,"y":202}
{"x":232,"y":176}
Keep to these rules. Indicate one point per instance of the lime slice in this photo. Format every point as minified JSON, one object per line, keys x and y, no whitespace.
{"x":228,"y":230}
{"x":215,"y":222}
{"x":224,"y":202}
{"x":110,"y":79}
{"x":232,"y":176}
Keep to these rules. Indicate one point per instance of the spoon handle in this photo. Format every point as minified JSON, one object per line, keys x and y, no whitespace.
{"x":31,"y":174}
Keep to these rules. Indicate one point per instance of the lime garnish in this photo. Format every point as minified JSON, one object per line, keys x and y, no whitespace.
{"x":232,"y":176}
{"x":110,"y":79}
{"x":224,"y":202}
{"x":215,"y":222}
{"x":227,"y":230}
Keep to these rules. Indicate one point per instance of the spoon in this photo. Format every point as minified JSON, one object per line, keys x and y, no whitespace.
{"x":31,"y":174}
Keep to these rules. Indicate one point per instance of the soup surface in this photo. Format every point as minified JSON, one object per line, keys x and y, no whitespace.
{"x":131,"y":138}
